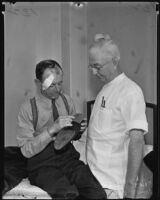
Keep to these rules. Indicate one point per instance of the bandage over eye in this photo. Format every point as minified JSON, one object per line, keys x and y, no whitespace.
{"x":48,"y":81}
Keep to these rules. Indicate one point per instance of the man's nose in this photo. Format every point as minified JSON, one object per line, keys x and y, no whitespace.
{"x":58,"y":88}
{"x":94,"y":71}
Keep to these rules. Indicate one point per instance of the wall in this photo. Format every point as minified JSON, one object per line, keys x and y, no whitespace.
{"x":78,"y":56}
{"x":65,"y":45}
{"x":32,"y":33}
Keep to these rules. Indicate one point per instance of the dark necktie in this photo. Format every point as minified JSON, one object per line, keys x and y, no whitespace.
{"x":54,"y":110}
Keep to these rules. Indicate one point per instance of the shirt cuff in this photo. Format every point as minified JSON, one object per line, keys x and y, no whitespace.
{"x":46,"y":136}
{"x":137,"y":124}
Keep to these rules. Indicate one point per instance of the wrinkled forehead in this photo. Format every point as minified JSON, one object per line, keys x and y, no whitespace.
{"x":107,"y":50}
{"x":57,"y":74}
{"x":98,"y":55}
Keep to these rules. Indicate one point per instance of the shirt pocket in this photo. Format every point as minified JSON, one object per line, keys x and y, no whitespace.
{"x":104,"y":118}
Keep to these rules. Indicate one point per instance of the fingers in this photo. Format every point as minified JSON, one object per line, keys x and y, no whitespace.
{"x":83,"y":124}
{"x":83,"y":128}
{"x":65,"y":121}
{"x":67,"y":117}
{"x":84,"y":120}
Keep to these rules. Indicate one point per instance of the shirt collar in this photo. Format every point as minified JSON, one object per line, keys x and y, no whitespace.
{"x":117,"y":79}
{"x":42,"y":98}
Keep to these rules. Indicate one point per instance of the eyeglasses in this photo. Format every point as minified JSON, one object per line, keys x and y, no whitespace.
{"x":96,"y":66}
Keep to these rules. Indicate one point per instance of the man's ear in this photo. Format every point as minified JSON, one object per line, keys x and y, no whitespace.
{"x":37,"y":83}
{"x":115,"y":61}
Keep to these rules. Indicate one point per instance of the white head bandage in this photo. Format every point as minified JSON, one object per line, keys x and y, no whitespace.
{"x":48,"y":81}
{"x":108,"y":45}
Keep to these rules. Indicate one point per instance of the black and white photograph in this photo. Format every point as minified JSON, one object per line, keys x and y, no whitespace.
{"x":81,"y":101}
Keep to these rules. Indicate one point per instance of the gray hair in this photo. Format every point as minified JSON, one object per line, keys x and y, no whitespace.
{"x":108,"y":46}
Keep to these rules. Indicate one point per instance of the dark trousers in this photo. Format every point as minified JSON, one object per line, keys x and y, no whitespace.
{"x":61,"y":173}
{"x":149,"y":160}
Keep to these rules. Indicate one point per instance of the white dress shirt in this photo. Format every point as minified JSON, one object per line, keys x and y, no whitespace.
{"x":119,"y":107}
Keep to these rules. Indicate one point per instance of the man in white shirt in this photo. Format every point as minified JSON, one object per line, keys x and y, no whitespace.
{"x":117,"y":124}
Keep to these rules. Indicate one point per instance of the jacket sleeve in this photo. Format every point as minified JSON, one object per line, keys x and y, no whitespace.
{"x":29,"y":143}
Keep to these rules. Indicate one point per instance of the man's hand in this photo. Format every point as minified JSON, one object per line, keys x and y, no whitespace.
{"x":60,"y":123}
{"x":83,"y":125}
{"x":82,"y":129}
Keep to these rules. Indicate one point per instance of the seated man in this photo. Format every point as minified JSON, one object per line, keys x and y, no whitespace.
{"x":54,"y":171}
